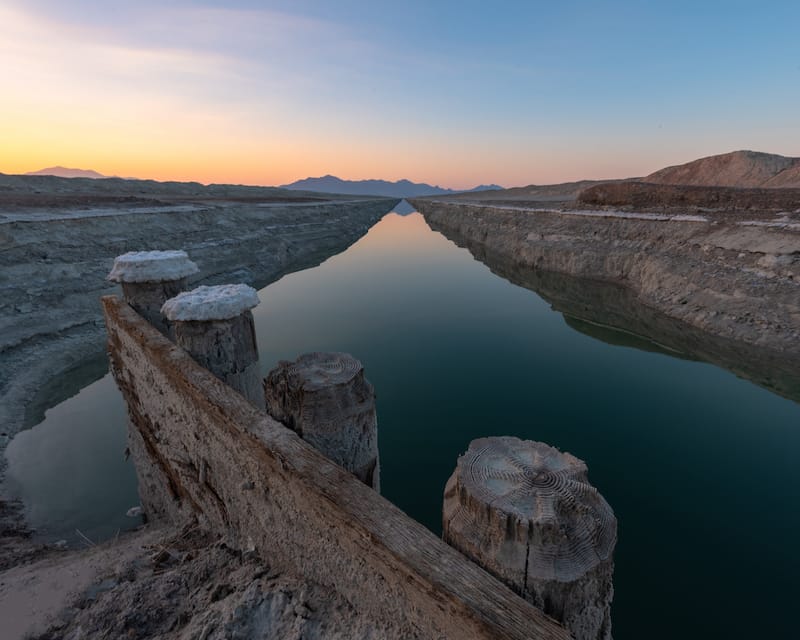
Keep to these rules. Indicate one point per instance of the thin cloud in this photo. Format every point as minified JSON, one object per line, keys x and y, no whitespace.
{"x":245,"y":42}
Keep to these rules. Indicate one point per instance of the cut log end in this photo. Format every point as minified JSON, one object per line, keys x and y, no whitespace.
{"x":542,"y":490}
{"x":526,"y":512}
{"x":314,"y":371}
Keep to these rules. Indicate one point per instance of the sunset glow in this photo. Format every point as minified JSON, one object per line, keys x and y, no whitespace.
{"x":455,"y":95}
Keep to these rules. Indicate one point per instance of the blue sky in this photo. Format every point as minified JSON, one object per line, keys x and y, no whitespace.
{"x":454,"y":93}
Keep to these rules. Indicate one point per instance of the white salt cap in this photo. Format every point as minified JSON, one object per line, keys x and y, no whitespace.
{"x":152,"y":266}
{"x":211,"y":303}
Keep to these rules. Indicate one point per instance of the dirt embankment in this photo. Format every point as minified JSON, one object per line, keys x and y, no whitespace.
{"x":25,"y":201}
{"x":563,"y":192}
{"x":739,"y":280}
{"x":54,"y":266}
{"x":644,"y":196}
{"x":59,"y":190}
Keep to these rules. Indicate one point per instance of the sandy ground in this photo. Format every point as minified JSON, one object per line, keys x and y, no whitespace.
{"x":33,"y":595}
{"x":165,"y":583}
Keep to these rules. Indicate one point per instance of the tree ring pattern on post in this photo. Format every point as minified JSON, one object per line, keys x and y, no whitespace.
{"x":546,"y":498}
{"x":317,"y":370}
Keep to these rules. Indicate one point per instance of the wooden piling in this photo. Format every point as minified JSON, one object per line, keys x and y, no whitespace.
{"x":149,"y":279}
{"x":326,"y":399}
{"x":526,"y":513}
{"x":215,"y":326}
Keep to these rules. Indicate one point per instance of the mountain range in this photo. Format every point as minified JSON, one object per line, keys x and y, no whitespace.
{"x":66,"y":172}
{"x":399,"y":189}
{"x":735,"y":169}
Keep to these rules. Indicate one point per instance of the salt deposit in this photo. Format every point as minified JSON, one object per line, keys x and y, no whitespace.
{"x":211,"y":303}
{"x":152,"y":266}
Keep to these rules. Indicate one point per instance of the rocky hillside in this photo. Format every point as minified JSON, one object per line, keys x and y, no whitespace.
{"x":736,"y":169}
{"x":702,"y":184}
{"x":643,"y":196}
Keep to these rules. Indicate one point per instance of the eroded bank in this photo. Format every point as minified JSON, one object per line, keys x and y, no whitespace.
{"x":737,"y":280}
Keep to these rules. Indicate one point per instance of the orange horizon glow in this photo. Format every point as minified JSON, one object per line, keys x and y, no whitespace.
{"x":208,"y":162}
{"x":255,"y":96}
{"x":157,"y":144}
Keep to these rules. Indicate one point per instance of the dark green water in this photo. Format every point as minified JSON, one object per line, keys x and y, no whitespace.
{"x":701,"y":467}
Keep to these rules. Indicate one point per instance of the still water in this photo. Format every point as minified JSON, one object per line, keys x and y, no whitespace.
{"x":700,"y":466}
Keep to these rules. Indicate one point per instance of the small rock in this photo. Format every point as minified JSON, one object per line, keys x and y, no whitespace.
{"x":772,"y":261}
{"x":134,"y":512}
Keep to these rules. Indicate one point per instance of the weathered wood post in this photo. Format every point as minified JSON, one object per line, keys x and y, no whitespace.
{"x":215,"y":325}
{"x":149,"y":279}
{"x":526,"y":513}
{"x":326,"y":399}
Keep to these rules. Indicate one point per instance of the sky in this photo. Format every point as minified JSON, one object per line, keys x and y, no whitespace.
{"x":449,"y":93}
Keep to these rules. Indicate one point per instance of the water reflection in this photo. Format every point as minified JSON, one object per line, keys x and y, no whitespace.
{"x":70,"y":470}
{"x":613,"y":314}
{"x":61,"y":389}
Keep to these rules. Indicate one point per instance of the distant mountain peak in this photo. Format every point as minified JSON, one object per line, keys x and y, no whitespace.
{"x":400,"y":189}
{"x":66,"y":172}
